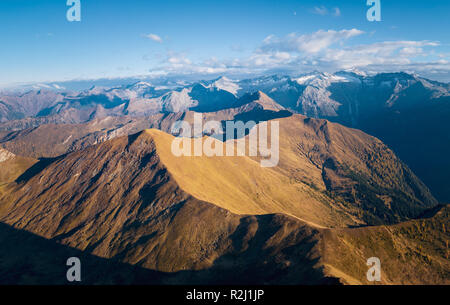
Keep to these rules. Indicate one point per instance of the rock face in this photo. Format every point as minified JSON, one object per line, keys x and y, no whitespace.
{"x":5,"y":155}
{"x":20,"y":105}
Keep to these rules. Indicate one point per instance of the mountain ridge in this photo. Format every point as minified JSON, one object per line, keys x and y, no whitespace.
{"x":385,"y":105}
{"x":119,"y":200}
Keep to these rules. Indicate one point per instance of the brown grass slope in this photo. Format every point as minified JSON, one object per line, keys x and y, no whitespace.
{"x":240,"y":185}
{"x":328,"y":175}
{"x":117,"y":200}
{"x":351,"y":168}
{"x":128,"y":200}
{"x":11,"y":167}
{"x":413,"y":252}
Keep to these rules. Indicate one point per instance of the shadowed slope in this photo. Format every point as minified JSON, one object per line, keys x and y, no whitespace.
{"x":27,"y":259}
{"x":267,"y":249}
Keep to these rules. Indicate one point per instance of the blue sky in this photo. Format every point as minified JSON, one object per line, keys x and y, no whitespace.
{"x":209,"y":38}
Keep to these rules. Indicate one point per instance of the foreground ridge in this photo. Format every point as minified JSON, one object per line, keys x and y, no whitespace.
{"x":128,"y":200}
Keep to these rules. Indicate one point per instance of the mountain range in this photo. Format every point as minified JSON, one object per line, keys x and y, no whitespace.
{"x":130,"y":201}
{"x":362,"y":173}
{"x":405,"y":111}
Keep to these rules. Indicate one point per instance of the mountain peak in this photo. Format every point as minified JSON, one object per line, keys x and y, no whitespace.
{"x":267,"y":103}
{"x":140,"y":84}
{"x":321,"y":79}
{"x":224,"y":83}
{"x":354,"y":71}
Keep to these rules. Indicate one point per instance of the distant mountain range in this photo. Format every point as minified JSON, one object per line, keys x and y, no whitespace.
{"x":349,"y":97}
{"x":407,"y":112}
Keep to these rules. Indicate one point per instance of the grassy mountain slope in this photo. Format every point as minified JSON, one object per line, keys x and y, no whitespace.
{"x":413,"y":252}
{"x":353,"y":168}
{"x":130,"y":201}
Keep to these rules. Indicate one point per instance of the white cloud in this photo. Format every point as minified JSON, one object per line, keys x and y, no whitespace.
{"x":310,"y":43}
{"x":321,"y":50}
{"x":181,"y":60}
{"x":178,"y":63}
{"x":322,"y":10}
{"x":154,"y":37}
{"x":269,"y":59}
{"x":411,"y":51}
{"x":326,"y":50}
{"x":382,"y":53}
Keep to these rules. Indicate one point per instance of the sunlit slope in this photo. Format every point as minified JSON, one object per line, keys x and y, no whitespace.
{"x":11,"y":168}
{"x":240,"y":185}
{"x":327,"y":174}
{"x":117,"y":200}
{"x":120,"y":200}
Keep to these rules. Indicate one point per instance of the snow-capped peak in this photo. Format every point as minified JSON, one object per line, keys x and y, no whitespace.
{"x":141,"y":84}
{"x":321,"y":79}
{"x":355,"y":71}
{"x":224,"y":83}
